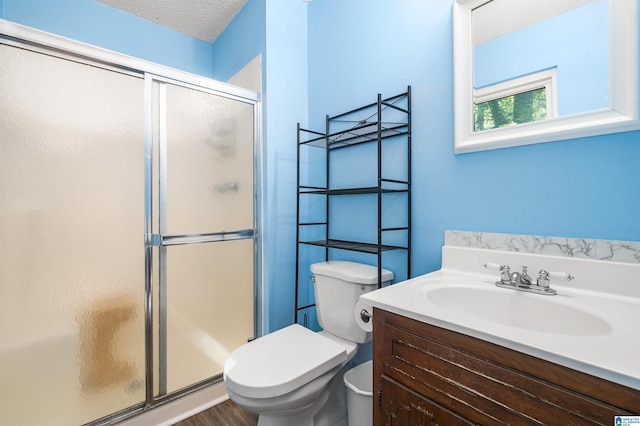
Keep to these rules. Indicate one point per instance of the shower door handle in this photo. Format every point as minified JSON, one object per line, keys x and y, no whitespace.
{"x":159,"y":240}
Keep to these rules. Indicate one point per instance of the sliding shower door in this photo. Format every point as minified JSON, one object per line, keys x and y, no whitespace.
{"x":72,"y":265}
{"x":128,"y":248}
{"x":205,"y":230}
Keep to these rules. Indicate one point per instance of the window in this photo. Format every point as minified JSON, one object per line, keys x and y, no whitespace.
{"x":520,"y":100}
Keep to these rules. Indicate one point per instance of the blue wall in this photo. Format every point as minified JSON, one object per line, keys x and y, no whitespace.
{"x":242,"y":40}
{"x":329,"y":56}
{"x":575,"y":43}
{"x":286,"y":104}
{"x":586,"y":187}
{"x":359,"y":48}
{"x":277,"y":30}
{"x":100,"y":25}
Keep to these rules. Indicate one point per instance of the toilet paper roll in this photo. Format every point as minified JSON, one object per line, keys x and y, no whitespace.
{"x":363,"y":313}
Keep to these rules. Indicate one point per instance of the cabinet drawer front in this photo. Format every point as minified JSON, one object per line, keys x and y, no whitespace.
{"x":488,"y":383}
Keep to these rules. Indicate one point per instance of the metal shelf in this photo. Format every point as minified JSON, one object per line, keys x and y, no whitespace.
{"x":349,"y":191}
{"x":360,"y":133}
{"x":372,"y":123}
{"x":361,"y":247}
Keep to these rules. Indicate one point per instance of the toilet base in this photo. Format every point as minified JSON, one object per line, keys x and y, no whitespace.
{"x":330,"y":409}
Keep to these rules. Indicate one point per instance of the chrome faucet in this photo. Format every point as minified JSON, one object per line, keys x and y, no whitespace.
{"x":521,"y":279}
{"x":523,"y":282}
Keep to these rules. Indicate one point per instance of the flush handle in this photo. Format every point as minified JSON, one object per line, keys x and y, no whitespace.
{"x":365,"y":316}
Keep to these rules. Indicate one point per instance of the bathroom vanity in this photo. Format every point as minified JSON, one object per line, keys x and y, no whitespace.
{"x":430,"y":375}
{"x":453,"y":348}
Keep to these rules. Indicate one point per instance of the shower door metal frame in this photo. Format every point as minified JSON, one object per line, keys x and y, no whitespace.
{"x":162,"y":239}
{"x":24,"y":37}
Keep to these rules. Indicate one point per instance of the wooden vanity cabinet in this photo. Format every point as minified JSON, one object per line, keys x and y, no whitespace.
{"x":427,"y":375}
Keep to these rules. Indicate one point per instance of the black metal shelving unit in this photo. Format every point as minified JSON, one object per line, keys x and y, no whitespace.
{"x":370,"y":124}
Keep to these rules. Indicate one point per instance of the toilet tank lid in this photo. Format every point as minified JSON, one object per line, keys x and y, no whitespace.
{"x":354,"y":272}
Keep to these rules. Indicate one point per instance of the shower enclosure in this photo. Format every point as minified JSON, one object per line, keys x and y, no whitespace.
{"x":129,"y":251}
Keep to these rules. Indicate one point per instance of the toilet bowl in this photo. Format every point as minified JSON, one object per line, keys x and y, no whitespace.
{"x":285,"y":379}
{"x":294,"y":376}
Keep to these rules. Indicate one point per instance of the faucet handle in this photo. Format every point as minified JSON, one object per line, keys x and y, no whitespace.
{"x":562,"y":276}
{"x":543,"y":279}
{"x":505,"y":271}
{"x":493,"y":266}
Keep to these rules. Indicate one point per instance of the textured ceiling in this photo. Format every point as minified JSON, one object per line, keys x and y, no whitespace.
{"x":201,"y":19}
{"x":206,"y":19}
{"x":501,"y":17}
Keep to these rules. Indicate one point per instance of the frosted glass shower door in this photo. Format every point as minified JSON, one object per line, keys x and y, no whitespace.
{"x":206,"y":222}
{"x":72,"y":265}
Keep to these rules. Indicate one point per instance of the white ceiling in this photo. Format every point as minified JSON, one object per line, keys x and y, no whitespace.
{"x":201,"y":19}
{"x":501,"y":17}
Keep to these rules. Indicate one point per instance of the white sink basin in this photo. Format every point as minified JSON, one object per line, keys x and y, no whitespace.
{"x":591,"y":325}
{"x":517,"y":309}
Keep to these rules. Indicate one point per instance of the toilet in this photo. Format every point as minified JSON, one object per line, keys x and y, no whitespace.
{"x":294,"y":376}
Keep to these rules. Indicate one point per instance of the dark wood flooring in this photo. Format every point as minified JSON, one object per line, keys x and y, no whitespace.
{"x":225,"y":414}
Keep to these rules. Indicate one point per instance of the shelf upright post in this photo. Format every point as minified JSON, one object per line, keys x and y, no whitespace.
{"x":408,"y":182}
{"x":379,"y":117}
{"x":297,"y":274}
{"x":326,"y":211}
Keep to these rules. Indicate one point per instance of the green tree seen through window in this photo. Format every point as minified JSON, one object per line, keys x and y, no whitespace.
{"x":515,"y":109}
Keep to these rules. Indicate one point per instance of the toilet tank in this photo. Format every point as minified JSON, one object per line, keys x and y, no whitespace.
{"x":338,"y":286}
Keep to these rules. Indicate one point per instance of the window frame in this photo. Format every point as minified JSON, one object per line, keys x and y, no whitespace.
{"x":546,"y":79}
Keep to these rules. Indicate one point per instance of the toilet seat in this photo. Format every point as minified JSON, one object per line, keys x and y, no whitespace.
{"x":281,"y":362}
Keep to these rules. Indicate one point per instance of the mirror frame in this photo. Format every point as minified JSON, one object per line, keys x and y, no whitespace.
{"x":622,"y":116}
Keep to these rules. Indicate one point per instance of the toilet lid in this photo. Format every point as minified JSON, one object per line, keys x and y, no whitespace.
{"x":281,"y":362}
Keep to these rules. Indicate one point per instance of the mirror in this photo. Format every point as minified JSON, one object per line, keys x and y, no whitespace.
{"x":543,"y":71}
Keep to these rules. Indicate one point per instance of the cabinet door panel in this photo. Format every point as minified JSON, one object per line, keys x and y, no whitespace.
{"x":402,"y":406}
